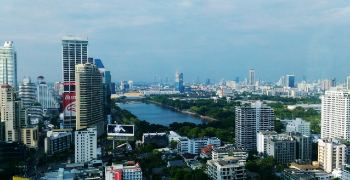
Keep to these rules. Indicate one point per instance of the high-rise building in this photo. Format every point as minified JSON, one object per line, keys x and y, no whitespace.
{"x":89,"y":97}
{"x":348,"y":83}
{"x":27,"y":92}
{"x":57,"y":87}
{"x":113,"y":88}
{"x":46,"y":96}
{"x":74,"y":51}
{"x":179,"y":82}
{"x":237,"y":79}
{"x":251,"y":120}
{"x":226,"y":168}
{"x":124,"y":85}
{"x":85,"y":145}
{"x":57,"y":142}
{"x":333,"y":82}
{"x":298,"y":125}
{"x":12,"y":113}
{"x":195,"y":145}
{"x":251,"y":77}
{"x":335,"y":119}
{"x":290,"y":80}
{"x":131,"y":84}
{"x":8,"y":67}
{"x":331,"y":155}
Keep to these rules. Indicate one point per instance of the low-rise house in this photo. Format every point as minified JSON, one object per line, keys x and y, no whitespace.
{"x":206,"y":151}
{"x":189,"y":157}
{"x":178,"y":163}
{"x":194,"y":164}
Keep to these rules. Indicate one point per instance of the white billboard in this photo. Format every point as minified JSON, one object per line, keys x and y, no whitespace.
{"x":120,"y":130}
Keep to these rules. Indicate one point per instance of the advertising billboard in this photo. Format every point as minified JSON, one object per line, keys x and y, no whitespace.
{"x":120,"y":130}
{"x":68,"y":104}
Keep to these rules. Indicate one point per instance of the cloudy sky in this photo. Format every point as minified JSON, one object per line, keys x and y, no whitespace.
{"x":207,"y":39}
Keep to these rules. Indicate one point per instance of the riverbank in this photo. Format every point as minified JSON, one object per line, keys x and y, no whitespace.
{"x":183,"y":111}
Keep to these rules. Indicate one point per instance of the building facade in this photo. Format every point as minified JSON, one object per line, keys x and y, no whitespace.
{"x":46,"y":96}
{"x":226,"y":168}
{"x":85,"y":145}
{"x":298,"y":125}
{"x":331,"y":155}
{"x":335,"y":116}
{"x":8,"y":64}
{"x":195,"y":145}
{"x":128,"y":171}
{"x":89,"y":97}
{"x":57,"y":142}
{"x":251,"y":120}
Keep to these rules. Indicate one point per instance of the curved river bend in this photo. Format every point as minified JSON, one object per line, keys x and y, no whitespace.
{"x":156,"y":114}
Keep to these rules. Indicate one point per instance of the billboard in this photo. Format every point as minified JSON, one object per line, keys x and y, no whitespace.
{"x":68,"y":104}
{"x":120,"y":130}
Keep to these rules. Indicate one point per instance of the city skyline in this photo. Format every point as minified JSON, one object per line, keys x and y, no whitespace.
{"x":223,"y":40}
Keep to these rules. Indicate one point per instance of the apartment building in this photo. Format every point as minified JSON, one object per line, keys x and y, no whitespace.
{"x":85,"y":145}
{"x":195,"y":145}
{"x":298,"y":125}
{"x":226,"y":168}
{"x":251,"y":120}
{"x":331,"y":155}
{"x":57,"y":142}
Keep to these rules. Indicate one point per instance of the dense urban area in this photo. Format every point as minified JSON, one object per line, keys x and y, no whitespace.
{"x":245,"y":128}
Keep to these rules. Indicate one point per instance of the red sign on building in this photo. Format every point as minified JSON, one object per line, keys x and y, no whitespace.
{"x":68,"y":104}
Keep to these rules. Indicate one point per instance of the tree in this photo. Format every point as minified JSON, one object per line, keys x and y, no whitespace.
{"x":173,"y":144}
{"x":266,"y":167}
{"x":278,"y":126}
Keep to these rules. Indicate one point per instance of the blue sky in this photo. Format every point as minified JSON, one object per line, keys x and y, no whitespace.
{"x":210,"y":39}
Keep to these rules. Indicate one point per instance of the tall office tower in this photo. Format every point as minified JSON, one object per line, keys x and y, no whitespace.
{"x":251,"y":77}
{"x":27,"y":92}
{"x":290,"y":80}
{"x":89,"y":97}
{"x":74,"y":51}
{"x":179,"y":82}
{"x":348,"y":83}
{"x":12,"y":113}
{"x":207,"y":81}
{"x":333,"y":82}
{"x":325,"y":85}
{"x":251,"y":120}
{"x":335,"y":117}
{"x":131,"y":84}
{"x":85,"y":145}
{"x":113,"y":88}
{"x":46,"y":96}
{"x":8,"y":67}
{"x":237,"y":79}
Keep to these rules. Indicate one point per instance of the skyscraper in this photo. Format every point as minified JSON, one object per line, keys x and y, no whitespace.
{"x":348,"y":83}
{"x":131,"y":84}
{"x":8,"y":66}
{"x":251,"y":77}
{"x":74,"y":51}
{"x":207,"y":81}
{"x":27,"y":92}
{"x":325,"y":84}
{"x":89,"y":97}
{"x":333,"y":82}
{"x":179,"y":82}
{"x":335,"y":117}
{"x":46,"y":96}
{"x":251,"y":120}
{"x":290,"y":80}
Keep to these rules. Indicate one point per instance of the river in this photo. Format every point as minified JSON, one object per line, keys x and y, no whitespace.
{"x":156,"y":114}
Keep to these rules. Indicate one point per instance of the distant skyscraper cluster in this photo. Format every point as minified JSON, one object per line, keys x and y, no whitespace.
{"x":179,"y":82}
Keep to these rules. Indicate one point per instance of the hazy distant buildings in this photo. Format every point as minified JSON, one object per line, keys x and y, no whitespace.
{"x":251,"y":77}
{"x":251,"y":120}
{"x":131,"y":84}
{"x":179,"y":82}
{"x":8,"y":67}
{"x":335,"y":117}
{"x":46,"y":96}
{"x":325,"y":85}
{"x":348,"y":83}
{"x":113,"y":88}
{"x":89,"y":97}
{"x":124,"y":85}
{"x":207,"y":81}
{"x":237,"y":79}
{"x":333,"y":82}
{"x":290,"y":80}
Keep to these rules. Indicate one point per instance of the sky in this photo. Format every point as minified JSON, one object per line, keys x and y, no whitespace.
{"x":137,"y":40}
